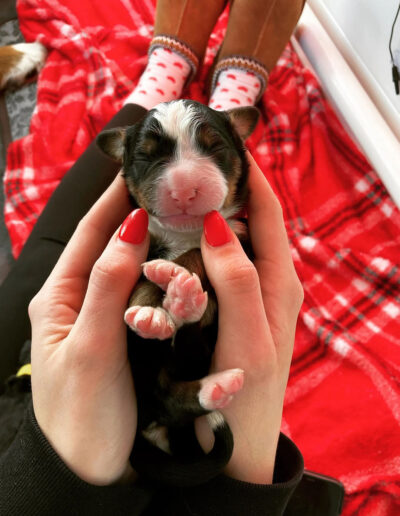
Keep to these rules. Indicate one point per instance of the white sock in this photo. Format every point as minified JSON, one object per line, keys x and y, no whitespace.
{"x":162,"y":80}
{"x":235,"y":88}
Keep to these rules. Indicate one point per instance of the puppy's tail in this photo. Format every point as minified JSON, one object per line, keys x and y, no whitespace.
{"x":188,"y":465}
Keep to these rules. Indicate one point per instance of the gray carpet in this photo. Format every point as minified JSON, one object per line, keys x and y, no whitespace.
{"x":20,"y":105}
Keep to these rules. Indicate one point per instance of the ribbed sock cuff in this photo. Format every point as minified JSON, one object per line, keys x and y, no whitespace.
{"x":180,"y":48}
{"x":246,"y":64}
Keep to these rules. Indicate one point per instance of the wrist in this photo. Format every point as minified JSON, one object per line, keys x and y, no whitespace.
{"x":84,"y":453}
{"x":253,"y":457}
{"x":251,"y":463}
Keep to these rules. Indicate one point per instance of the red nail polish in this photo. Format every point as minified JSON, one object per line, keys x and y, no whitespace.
{"x":216,"y":229}
{"x":134,"y":227}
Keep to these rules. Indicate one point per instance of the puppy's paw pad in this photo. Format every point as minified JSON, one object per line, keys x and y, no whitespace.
{"x":161,"y":272}
{"x":217,"y":390}
{"x":185,"y":299}
{"x":150,"y":322}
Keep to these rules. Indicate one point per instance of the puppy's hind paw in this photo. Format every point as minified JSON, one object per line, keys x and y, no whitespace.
{"x":217,"y":390}
{"x":150,"y":322}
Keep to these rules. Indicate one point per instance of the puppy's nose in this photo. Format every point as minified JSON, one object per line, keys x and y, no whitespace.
{"x":183,"y":196}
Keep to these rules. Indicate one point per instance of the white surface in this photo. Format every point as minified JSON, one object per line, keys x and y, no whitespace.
{"x":353,"y":104}
{"x":374,"y":74}
{"x":366,"y":24}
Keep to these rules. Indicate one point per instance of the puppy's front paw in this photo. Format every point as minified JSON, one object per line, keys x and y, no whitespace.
{"x":161,"y":272}
{"x":149,"y":322}
{"x":185,"y":299}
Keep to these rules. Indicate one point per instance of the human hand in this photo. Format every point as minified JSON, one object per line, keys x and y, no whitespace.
{"x":82,"y":387}
{"x":258,"y":304}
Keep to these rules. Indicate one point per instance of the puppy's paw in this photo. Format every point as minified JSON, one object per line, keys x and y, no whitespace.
{"x":161,"y":272}
{"x":217,"y":390}
{"x":185,"y":299}
{"x":149,"y":322}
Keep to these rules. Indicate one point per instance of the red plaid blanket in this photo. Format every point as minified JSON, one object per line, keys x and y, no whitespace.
{"x":342,"y":404}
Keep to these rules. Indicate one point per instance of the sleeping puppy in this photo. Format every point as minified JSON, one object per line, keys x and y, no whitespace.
{"x":180,"y":162}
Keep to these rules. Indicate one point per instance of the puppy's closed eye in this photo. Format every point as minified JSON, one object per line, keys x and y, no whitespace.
{"x":155,"y":146}
{"x":148,"y":146}
{"x":209,"y":141}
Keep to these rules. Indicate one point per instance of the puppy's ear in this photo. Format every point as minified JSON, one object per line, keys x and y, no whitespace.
{"x":244,"y":120}
{"x":112,"y":143}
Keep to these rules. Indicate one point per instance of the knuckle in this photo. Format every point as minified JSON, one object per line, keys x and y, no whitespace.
{"x":81,"y":224}
{"x":105,"y":273}
{"x":242,"y":277}
{"x":300,"y":292}
{"x":296,"y":292}
{"x":34,"y":304}
{"x":276,"y":206}
{"x":87,"y":225}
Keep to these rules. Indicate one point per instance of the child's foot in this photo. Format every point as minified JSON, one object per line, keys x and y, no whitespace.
{"x":237,"y":81}
{"x":171,"y":64}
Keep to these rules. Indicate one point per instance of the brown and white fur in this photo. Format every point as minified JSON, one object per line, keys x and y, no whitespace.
{"x":180,"y":162}
{"x":19,"y":63}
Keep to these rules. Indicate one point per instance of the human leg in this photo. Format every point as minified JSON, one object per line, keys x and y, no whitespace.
{"x":257,"y":33}
{"x":181,"y":32}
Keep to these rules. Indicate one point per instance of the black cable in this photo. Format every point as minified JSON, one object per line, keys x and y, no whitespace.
{"x":391,"y":34}
{"x":395,"y":70}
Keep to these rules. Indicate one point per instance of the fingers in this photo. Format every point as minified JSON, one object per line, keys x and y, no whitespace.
{"x":92,"y":234}
{"x":266,"y":224}
{"x":112,"y":279}
{"x":241,"y":315}
{"x":281,"y":288}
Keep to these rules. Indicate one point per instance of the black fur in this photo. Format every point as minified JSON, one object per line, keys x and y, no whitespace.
{"x":167,"y":373}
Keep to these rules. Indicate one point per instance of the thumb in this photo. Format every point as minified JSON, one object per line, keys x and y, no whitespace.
{"x":114,"y":275}
{"x":241,"y":315}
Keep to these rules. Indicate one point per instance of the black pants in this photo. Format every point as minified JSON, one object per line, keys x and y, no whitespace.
{"x":77,"y":192}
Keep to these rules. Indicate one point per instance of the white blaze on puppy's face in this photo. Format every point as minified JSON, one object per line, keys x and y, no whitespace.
{"x":192,"y":184}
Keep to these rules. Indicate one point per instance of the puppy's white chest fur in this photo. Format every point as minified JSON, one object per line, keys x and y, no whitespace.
{"x":178,"y":242}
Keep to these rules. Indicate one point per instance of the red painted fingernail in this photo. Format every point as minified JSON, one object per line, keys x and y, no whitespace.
{"x":134,"y":227}
{"x":216,"y":229}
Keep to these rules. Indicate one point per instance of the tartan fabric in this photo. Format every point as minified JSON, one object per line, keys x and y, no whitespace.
{"x":342,"y":405}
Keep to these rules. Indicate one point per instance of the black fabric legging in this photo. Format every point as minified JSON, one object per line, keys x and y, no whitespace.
{"x":79,"y":189}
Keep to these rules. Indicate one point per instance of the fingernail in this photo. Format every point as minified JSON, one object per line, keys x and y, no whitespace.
{"x":216,"y":229}
{"x":134,"y":227}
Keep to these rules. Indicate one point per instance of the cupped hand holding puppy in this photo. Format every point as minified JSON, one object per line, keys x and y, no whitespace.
{"x":83,"y":392}
{"x":82,"y":387}
{"x":258,"y":308}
